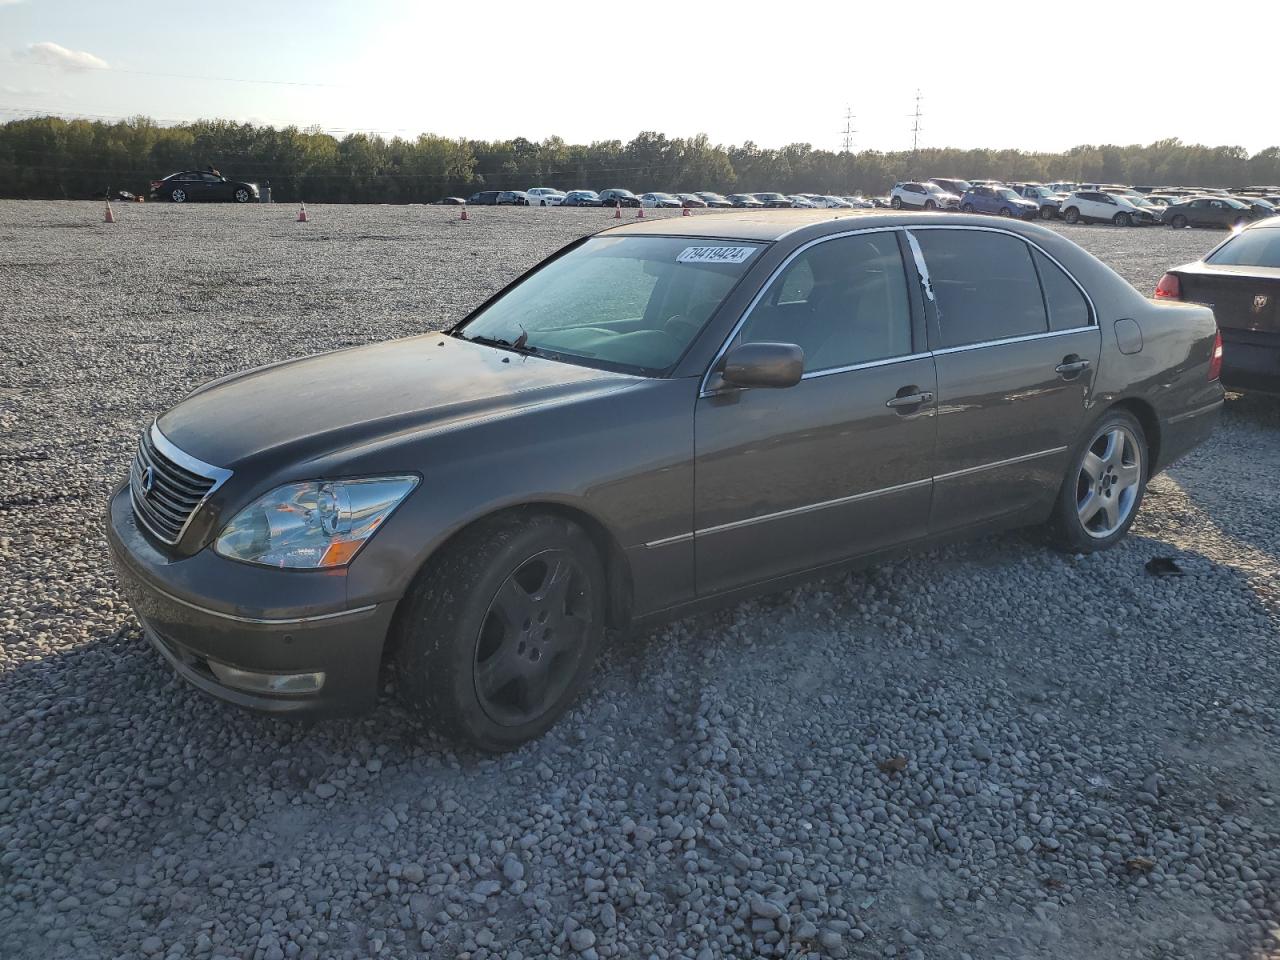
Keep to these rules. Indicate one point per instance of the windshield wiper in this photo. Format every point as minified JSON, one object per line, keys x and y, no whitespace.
{"x":520,"y":346}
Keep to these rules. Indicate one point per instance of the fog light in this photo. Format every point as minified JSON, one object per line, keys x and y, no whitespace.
{"x":255,"y":682}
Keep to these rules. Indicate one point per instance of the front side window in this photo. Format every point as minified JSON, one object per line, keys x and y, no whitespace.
{"x":842,"y":301}
{"x":627,"y":303}
{"x":985,"y":286}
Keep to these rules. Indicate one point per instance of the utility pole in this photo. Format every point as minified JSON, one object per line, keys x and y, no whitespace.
{"x":915,"y":126}
{"x":846,"y":145}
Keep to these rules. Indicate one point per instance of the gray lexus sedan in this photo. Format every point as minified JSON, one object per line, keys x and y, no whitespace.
{"x":667,"y":415}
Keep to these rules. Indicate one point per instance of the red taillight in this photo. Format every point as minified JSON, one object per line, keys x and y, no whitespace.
{"x":1169,"y":287}
{"x":1215,"y":358}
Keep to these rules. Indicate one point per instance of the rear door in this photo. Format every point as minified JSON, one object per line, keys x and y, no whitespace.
{"x":1016,"y":349}
{"x":841,"y":463}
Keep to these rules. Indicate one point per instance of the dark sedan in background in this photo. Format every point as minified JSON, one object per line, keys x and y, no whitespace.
{"x":192,"y":186}
{"x":617,"y":196}
{"x":664,"y":417}
{"x":582,"y":198}
{"x":1208,"y":212}
{"x":744,"y":201}
{"x":1240,"y":280}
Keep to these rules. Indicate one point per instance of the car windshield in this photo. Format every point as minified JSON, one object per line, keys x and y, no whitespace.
{"x":934,"y":188}
{"x":1250,"y":248}
{"x":1007,"y":194}
{"x":623,"y":303}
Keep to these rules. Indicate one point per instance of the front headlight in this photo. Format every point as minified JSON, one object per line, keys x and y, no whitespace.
{"x":305,"y":526}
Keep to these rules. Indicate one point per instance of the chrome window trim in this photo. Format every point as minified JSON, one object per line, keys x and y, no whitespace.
{"x":887,"y":361}
{"x":219,"y":476}
{"x":1022,"y":339}
{"x":1000,"y":463}
{"x":811,"y":507}
{"x":915,"y":249}
{"x":764,"y":288}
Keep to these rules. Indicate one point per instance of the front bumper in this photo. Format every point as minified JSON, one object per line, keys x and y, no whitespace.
{"x":205,"y":612}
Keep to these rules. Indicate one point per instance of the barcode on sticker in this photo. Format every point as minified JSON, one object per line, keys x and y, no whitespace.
{"x":714,"y":254}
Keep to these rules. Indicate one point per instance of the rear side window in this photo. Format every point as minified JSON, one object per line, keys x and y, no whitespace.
{"x":842,"y":301}
{"x":985,"y":286}
{"x":1067,"y":306}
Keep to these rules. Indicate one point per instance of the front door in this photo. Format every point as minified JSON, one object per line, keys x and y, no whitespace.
{"x":1016,"y":348}
{"x":841,"y":463}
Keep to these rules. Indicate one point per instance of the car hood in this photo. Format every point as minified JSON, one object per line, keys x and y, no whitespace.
{"x":321,"y":405}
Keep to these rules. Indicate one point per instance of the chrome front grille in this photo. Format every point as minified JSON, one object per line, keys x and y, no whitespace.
{"x":168,"y":486}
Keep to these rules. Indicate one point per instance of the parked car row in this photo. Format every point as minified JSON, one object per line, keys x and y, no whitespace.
{"x":617,"y":196}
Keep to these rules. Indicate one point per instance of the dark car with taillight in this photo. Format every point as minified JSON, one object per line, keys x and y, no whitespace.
{"x":1240,"y":280}
{"x":195,"y":186}
{"x":665,"y":417}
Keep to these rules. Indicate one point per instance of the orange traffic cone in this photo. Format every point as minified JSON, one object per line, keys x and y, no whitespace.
{"x":639,"y":213}
{"x":684,"y":212}
{"x":617,"y":209}
{"x":302,"y":214}
{"x":109,"y":217}
{"x":463,"y":215}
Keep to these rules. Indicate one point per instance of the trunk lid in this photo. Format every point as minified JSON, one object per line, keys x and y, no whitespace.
{"x":1242,"y":298}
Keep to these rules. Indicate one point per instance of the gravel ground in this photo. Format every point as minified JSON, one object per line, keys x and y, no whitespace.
{"x":986,"y":751}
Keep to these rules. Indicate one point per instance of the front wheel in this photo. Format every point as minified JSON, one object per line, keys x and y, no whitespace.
{"x":178,"y":196}
{"x":1006,"y":212}
{"x":1178,"y":221}
{"x":498,"y":635}
{"x":242,"y":195}
{"x":1046,"y":213}
{"x":1122,"y":220}
{"x":930,"y":206}
{"x":966,"y":208}
{"x":896,"y":203}
{"x":1104,"y":486}
{"x":1071,"y":215}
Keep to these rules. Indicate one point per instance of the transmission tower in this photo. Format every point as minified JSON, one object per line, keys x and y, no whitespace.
{"x":915,"y":124}
{"x":846,"y":144}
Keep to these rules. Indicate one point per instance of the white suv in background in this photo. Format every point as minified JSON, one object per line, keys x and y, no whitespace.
{"x":545,"y":196}
{"x":922,"y":195}
{"x":1094,"y":206}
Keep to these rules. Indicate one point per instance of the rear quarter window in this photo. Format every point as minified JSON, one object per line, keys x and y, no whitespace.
{"x":1067,"y":306}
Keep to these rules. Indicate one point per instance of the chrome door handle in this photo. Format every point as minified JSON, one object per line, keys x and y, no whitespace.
{"x":1072,"y":368}
{"x":910,"y":400}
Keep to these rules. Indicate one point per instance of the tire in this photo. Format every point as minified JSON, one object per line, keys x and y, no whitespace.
{"x":178,"y":195}
{"x":242,"y":195}
{"x":1239,"y":224}
{"x":1122,"y":220}
{"x":1104,"y":485}
{"x":930,"y":206}
{"x":1178,"y":221}
{"x":463,"y":615}
{"x":1046,"y":213}
{"x":1071,"y":215}
{"x":966,"y":208}
{"x":542,"y":203}
{"x":896,"y":203}
{"x":1006,"y":212}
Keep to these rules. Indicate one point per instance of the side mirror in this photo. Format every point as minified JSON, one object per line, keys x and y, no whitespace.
{"x":763,"y":365}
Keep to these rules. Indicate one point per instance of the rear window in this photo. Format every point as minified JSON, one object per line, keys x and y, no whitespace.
{"x":1251,"y":248}
{"x":985,"y":286}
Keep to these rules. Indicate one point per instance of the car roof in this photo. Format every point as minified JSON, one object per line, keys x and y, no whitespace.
{"x":766,"y":226}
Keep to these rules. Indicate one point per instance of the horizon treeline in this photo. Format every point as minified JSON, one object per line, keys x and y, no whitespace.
{"x":54,"y":158}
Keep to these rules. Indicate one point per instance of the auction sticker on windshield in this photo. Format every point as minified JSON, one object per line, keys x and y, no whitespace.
{"x":714,"y":254}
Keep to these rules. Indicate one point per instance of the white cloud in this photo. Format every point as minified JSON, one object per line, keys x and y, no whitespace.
{"x":10,"y":3}
{"x":56,"y":55}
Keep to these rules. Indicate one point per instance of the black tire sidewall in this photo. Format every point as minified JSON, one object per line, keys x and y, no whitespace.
{"x":441,"y":626}
{"x":1067,"y":532}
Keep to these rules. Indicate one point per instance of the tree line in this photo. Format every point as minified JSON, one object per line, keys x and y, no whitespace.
{"x":54,"y":158}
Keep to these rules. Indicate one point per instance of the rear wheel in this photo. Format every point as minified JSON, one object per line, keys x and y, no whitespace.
{"x":178,"y":195}
{"x":1071,"y":215}
{"x":1178,"y":221}
{"x":1239,"y":224}
{"x":499,"y":633}
{"x":1122,"y":220}
{"x":1104,"y":485}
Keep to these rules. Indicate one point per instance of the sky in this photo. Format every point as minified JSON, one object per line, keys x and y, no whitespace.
{"x":1035,"y":77}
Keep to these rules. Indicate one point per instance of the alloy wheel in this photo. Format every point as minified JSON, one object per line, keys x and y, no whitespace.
{"x":1109,"y":481}
{"x":178,"y":196}
{"x":532,"y":638}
